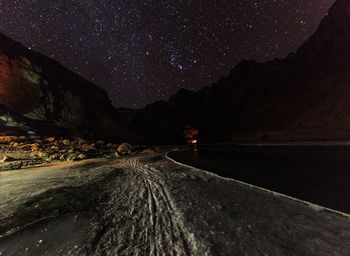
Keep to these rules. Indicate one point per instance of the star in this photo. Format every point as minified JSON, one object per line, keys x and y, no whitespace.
{"x":144,"y":51}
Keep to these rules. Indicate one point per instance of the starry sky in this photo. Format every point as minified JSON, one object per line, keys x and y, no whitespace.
{"x":143,"y":51}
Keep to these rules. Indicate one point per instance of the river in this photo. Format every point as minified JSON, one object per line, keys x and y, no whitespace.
{"x":317,"y":174}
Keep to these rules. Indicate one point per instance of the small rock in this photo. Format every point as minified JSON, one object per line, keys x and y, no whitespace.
{"x":53,"y":157}
{"x":82,"y":156}
{"x":66,"y":142}
{"x":41,"y":154}
{"x":35,"y":147}
{"x":72,"y":158}
{"x":50,"y":139}
{"x":8,"y":159}
{"x":76,"y":156}
{"x":54,"y":148}
{"x":87,"y":147}
{"x":14,"y":144}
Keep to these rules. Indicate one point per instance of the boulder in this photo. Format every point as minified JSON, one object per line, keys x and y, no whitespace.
{"x":125,"y":149}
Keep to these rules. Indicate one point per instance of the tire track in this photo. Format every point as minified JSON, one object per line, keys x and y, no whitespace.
{"x":164,"y":231}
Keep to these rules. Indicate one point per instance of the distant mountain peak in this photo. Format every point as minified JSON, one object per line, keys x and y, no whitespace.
{"x":330,"y":45}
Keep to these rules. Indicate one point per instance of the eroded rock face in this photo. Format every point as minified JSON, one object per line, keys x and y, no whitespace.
{"x":305,"y":96}
{"x":38,"y":88}
{"x":20,"y":84}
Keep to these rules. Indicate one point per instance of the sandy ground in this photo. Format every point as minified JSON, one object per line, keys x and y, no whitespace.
{"x":149,"y":205}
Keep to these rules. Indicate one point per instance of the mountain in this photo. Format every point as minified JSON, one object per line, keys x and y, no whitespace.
{"x":37,"y":94}
{"x":305,"y":96}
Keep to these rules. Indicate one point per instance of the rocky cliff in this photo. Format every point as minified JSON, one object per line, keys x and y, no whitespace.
{"x":40,"y":93}
{"x":305,"y":96}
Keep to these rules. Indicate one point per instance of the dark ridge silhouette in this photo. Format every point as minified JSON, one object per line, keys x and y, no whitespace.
{"x":305,"y":96}
{"x":49,"y":98}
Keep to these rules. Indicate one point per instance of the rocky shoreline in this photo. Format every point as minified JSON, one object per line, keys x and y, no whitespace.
{"x":18,"y":152}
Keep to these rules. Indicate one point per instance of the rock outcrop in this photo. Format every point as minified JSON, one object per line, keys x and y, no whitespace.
{"x":41,"y":93}
{"x":305,"y":96}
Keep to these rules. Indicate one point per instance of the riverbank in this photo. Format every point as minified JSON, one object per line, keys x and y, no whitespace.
{"x":301,"y":172}
{"x":17,"y":152}
{"x":147,"y":204}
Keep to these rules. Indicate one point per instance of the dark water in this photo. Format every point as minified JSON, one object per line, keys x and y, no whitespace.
{"x":318,"y":174}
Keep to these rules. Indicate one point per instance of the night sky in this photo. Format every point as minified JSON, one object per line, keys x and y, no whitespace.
{"x":142,"y":51}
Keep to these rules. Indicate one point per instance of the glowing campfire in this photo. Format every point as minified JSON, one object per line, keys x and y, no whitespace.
{"x":190,"y":135}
